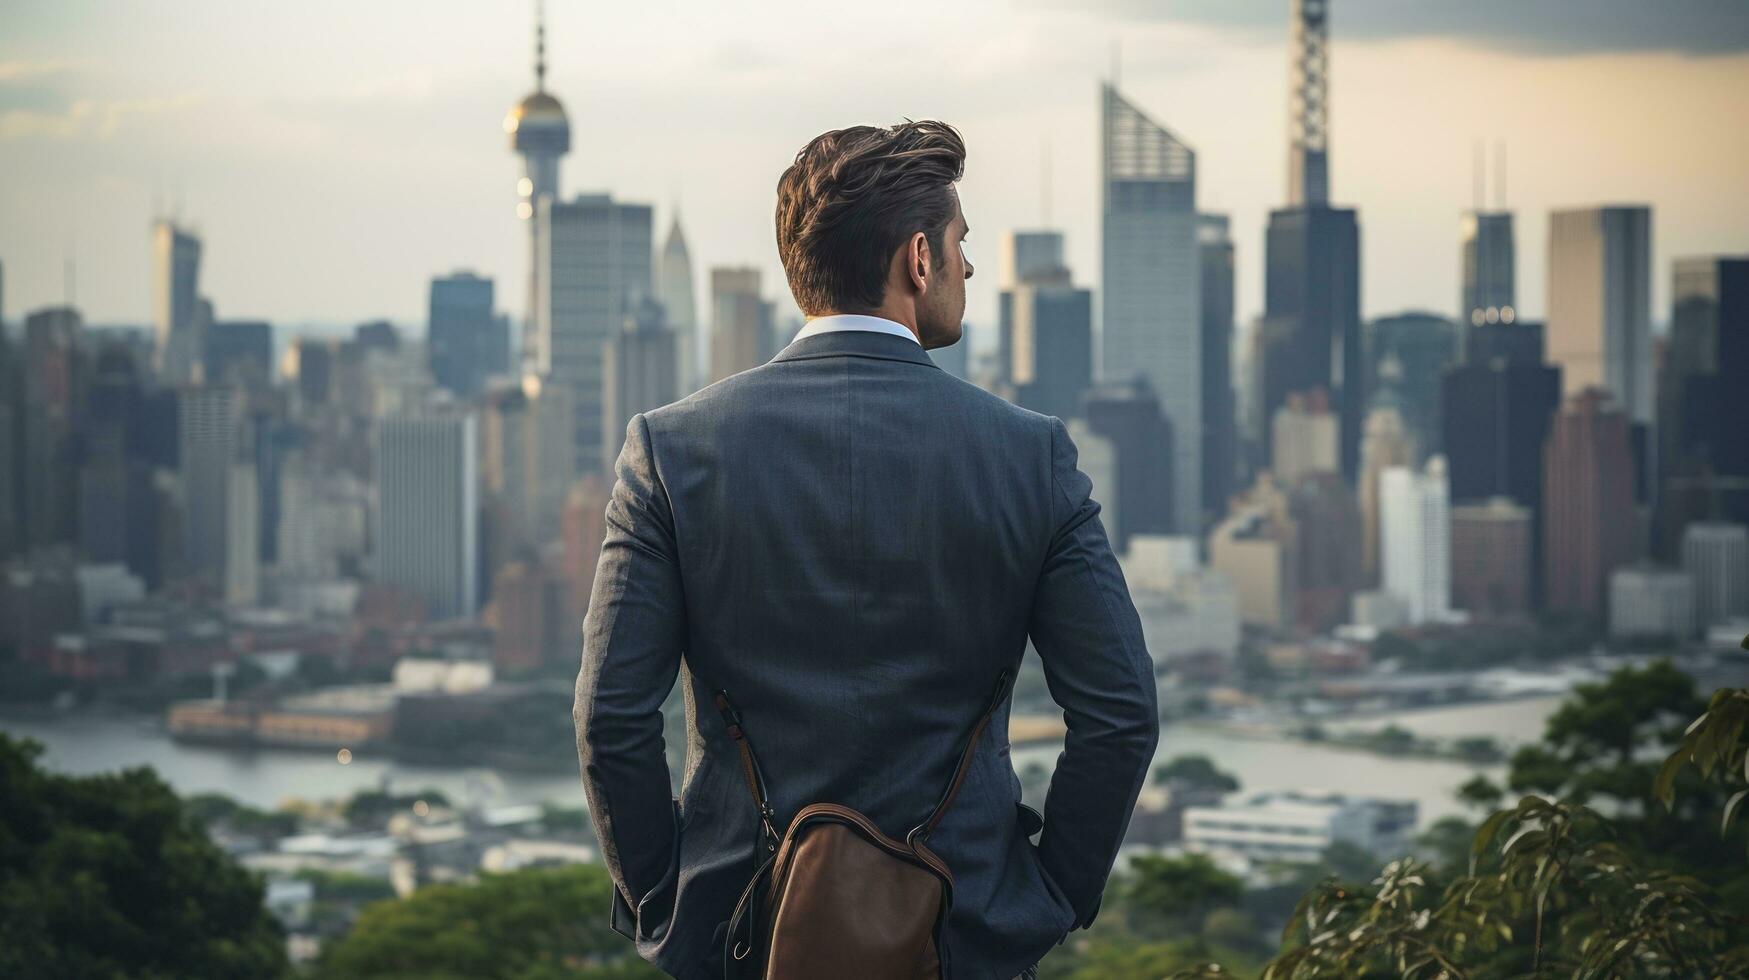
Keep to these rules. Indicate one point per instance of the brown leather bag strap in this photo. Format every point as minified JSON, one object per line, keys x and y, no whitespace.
{"x":749,"y":768}
{"x":921,"y":832}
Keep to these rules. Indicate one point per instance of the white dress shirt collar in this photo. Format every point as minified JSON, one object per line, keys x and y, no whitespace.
{"x":855,"y":321}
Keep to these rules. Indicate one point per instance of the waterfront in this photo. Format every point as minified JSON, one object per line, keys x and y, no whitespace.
{"x":86,"y":743}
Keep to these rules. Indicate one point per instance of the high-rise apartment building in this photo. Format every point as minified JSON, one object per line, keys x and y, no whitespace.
{"x":1491,"y":558}
{"x":1589,"y":526}
{"x":1600,"y":304}
{"x":1388,"y":443}
{"x":1151,"y":321}
{"x":1415,"y":539}
{"x":427,"y":509}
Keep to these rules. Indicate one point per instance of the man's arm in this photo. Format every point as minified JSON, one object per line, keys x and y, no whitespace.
{"x":632,"y":639}
{"x":1086,"y":631}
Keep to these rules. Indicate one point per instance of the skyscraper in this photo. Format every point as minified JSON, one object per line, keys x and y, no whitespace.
{"x":1048,"y":327}
{"x":51,"y":375}
{"x":465,"y":342}
{"x":116,"y":505}
{"x":1327,"y":522}
{"x":1702,"y":399}
{"x":1491,"y":558}
{"x":1600,"y":304}
{"x":1388,"y":443}
{"x":176,"y":301}
{"x":1716,"y":557}
{"x":741,"y":322}
{"x":426,"y":516}
{"x":1415,"y":348}
{"x":1497,"y":416}
{"x":1416,"y":539}
{"x":1305,"y":436}
{"x":209,"y":436}
{"x":1151,"y":323}
{"x":1311,"y":329}
{"x":1489,"y":271}
{"x":242,"y":583}
{"x":674,"y":292}
{"x":597,"y":253}
{"x":541,"y":134}
{"x":641,"y":368}
{"x":1025,"y":253}
{"x":1130,"y":417}
{"x":1220,"y":436}
{"x":239,"y":352}
{"x":1588,"y":502}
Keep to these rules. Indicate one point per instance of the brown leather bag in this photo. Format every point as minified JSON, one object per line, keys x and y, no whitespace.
{"x":836,"y":897}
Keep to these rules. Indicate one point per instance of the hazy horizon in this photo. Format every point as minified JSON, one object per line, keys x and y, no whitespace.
{"x":335,"y":158}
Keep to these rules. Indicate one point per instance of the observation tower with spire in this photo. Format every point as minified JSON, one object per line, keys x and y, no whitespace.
{"x":541,"y":134}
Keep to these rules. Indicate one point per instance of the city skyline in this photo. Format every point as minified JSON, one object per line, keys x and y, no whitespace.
{"x":283,"y":167}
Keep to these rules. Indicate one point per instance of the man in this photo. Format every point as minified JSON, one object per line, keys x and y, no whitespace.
{"x":855,"y":544}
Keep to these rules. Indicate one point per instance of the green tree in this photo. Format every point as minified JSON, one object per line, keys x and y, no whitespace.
{"x":1196,"y":772}
{"x":535,"y":924}
{"x":108,"y":876}
{"x":1170,"y":897}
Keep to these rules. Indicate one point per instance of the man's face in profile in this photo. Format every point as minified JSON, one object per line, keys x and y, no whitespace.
{"x":943,"y":306}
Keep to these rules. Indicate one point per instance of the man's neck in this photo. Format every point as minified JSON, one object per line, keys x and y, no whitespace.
{"x":904,"y":317}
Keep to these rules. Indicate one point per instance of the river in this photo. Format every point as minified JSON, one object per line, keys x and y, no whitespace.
{"x":87,"y":743}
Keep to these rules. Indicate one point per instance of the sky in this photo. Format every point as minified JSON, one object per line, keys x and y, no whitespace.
{"x":334,"y":156}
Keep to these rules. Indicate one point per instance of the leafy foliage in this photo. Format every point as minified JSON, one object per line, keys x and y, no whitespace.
{"x":535,"y":924}
{"x":1609,"y":866}
{"x":108,"y":876}
{"x":1196,"y":772}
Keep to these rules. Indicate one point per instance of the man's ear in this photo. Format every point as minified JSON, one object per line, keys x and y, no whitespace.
{"x":917,"y":261}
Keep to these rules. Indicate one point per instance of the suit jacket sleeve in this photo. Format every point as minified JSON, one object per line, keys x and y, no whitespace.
{"x":1089,"y":638}
{"x":632,"y":640}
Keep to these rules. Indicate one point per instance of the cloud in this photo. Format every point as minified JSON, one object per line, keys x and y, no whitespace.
{"x":97,"y":119}
{"x":1552,"y":27}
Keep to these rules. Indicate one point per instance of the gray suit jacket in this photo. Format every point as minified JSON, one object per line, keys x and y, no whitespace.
{"x":855,"y":543}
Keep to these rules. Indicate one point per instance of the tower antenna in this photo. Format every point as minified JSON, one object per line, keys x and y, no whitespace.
{"x":1044,"y":182}
{"x":1500,"y":175}
{"x":1478,"y":169}
{"x":540,"y":46}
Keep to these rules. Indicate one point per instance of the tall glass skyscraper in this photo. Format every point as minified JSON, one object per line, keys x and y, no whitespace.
{"x":596,"y":260}
{"x":1151,"y":316}
{"x":1311,"y":328}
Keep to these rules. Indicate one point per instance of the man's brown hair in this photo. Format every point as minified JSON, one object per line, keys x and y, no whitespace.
{"x":852,"y":197}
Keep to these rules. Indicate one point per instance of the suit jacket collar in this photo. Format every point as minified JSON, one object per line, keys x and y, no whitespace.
{"x":856,"y":343}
